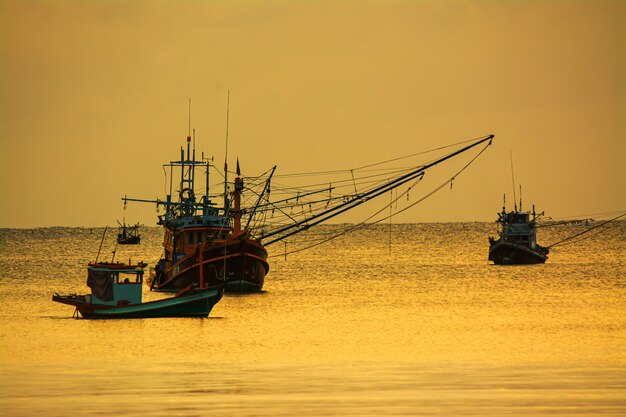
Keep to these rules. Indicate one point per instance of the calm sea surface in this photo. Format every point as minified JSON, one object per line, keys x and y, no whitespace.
{"x":421,"y":325}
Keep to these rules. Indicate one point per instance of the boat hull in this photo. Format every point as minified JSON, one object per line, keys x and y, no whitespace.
{"x":135,"y":240}
{"x":507,"y":253}
{"x":240,"y":265}
{"x":197,"y":303}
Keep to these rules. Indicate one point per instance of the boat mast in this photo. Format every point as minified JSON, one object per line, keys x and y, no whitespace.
{"x":265,"y":190}
{"x":513,"y":179}
{"x":238,"y":188}
{"x":226,"y":202}
{"x":100,"y":248}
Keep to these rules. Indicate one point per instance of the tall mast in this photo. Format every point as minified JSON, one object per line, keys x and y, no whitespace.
{"x":206,"y":180}
{"x":192,"y":173}
{"x":226,"y":203}
{"x":513,"y":179}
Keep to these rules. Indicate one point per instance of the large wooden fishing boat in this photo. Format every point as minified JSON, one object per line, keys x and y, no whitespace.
{"x":226,"y":244}
{"x":517,"y":241}
{"x":203,"y":242}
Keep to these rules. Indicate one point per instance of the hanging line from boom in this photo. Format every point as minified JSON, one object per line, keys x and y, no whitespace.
{"x":364,"y":223}
{"x":360,"y":225}
{"x":585,"y":231}
{"x":381,"y":162}
{"x":351,"y":203}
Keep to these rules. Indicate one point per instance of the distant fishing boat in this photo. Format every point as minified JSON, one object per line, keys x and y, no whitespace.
{"x":517,"y":241}
{"x":128,"y":235}
{"x":116,"y":293}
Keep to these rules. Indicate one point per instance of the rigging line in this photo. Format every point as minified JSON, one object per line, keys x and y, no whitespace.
{"x":350,"y":180}
{"x":354,"y":182}
{"x":563,"y":222}
{"x":303,"y":195}
{"x":343,"y":171}
{"x":279,"y":208}
{"x":349,"y":204}
{"x":443,"y":184}
{"x":371,"y":174}
{"x":606,"y":213}
{"x":415,"y":154}
{"x":361,"y":224}
{"x":581,"y":239}
{"x":354,"y":202}
{"x":267,"y":186}
{"x":364,"y":223}
{"x":165,"y":181}
{"x":586,"y":231}
{"x":383,"y":162}
{"x":422,"y":152}
{"x":268,"y":206}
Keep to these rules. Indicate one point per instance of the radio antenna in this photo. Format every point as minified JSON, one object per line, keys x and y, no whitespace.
{"x":513,"y":179}
{"x":226,"y":204}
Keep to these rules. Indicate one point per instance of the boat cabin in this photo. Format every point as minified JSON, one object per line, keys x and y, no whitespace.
{"x":115,"y":284}
{"x":193,"y":233}
{"x":518,"y":227}
{"x":518,"y":217}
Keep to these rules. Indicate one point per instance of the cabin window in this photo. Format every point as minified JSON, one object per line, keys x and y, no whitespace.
{"x":199,"y":237}
{"x":127,"y":278}
{"x":190,"y":235}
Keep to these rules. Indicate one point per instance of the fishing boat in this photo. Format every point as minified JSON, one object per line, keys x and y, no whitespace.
{"x":226,"y":244}
{"x":116,"y":293}
{"x":128,"y":235}
{"x":201,"y":241}
{"x":517,"y":241}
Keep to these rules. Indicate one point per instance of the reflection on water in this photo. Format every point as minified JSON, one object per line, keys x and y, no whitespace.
{"x":424,"y":326}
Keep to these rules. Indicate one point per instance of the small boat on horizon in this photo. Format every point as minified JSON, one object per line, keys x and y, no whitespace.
{"x":116,"y":293}
{"x":128,"y":235}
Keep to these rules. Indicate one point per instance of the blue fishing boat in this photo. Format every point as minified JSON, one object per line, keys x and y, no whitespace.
{"x":116,"y":293}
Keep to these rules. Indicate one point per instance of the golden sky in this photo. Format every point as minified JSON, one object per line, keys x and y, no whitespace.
{"x":94,"y":98}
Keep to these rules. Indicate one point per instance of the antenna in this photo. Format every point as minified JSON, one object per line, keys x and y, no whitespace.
{"x":513,"y":178}
{"x":520,"y":198}
{"x":226,"y":155}
{"x":189,"y":126}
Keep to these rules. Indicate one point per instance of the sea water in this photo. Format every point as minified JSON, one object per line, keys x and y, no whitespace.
{"x":390,"y":320}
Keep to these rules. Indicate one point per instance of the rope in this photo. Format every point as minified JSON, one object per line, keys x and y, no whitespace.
{"x":586,"y":231}
{"x":363,"y":223}
{"x":382,"y":162}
